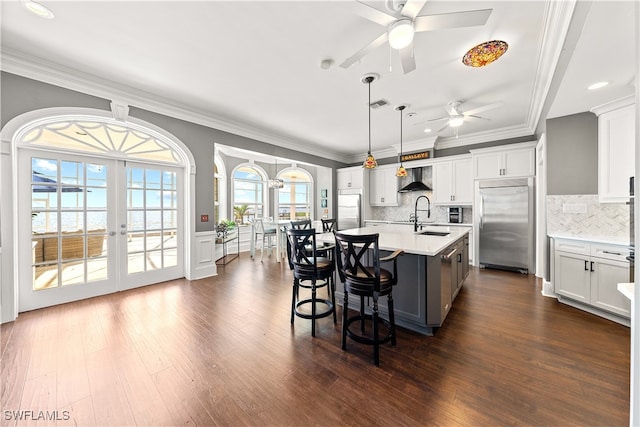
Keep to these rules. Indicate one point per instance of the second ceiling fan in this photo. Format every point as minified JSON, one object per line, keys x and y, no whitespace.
{"x":403,"y":22}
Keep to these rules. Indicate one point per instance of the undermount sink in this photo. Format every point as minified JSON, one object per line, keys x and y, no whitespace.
{"x":433,"y":233}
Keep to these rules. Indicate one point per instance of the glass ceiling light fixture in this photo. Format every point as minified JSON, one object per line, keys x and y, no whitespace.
{"x":484,"y":53}
{"x":276,"y":183}
{"x":401,"y":170}
{"x":401,"y":33}
{"x":38,"y":9}
{"x":370,"y":162}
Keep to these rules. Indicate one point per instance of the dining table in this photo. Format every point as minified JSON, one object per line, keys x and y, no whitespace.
{"x":280,"y":226}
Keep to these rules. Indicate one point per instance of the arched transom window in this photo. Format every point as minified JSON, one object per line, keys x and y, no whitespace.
{"x":100,"y":136}
{"x":249,"y":195}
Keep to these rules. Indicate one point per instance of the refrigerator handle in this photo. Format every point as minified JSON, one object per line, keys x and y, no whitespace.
{"x":481,"y":210}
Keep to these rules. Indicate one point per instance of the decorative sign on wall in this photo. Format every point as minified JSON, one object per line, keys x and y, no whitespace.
{"x":415,"y":156}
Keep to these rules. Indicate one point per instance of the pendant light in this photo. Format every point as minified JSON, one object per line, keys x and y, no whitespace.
{"x":276,"y":183}
{"x":401,"y":170}
{"x":370,"y":162}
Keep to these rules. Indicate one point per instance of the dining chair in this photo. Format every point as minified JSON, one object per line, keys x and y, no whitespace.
{"x":304,"y":224}
{"x":328,"y":225}
{"x":267,"y":233}
{"x":371,"y":281}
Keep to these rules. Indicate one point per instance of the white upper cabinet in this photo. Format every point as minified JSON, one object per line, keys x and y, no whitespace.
{"x":352,"y":177}
{"x":453,"y":182}
{"x":505,"y":161}
{"x":383,"y":186}
{"x":616,"y":149}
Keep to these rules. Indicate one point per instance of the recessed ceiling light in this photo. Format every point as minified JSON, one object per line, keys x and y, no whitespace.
{"x":427,"y":130}
{"x":597,"y":85}
{"x":38,"y":9}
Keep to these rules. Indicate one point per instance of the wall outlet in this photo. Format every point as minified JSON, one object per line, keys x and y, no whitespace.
{"x":574,"y":208}
{"x":204,"y":218}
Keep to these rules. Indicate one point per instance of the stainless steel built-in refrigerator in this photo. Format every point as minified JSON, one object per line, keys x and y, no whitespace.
{"x":505,"y":223}
{"x":349,"y":213}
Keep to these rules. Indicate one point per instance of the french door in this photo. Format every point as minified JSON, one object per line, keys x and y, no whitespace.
{"x":91,"y":226}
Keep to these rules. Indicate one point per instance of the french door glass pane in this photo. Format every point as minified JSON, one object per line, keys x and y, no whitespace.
{"x":151,"y":218}
{"x":68,"y":222}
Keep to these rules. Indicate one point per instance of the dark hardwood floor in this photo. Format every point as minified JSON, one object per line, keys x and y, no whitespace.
{"x":221,"y":351}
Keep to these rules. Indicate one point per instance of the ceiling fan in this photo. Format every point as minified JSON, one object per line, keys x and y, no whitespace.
{"x":457,"y":117}
{"x":403,"y":21}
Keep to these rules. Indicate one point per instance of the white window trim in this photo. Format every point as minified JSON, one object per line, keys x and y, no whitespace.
{"x":296,"y":168}
{"x":265,"y":189}
{"x":223,"y":208}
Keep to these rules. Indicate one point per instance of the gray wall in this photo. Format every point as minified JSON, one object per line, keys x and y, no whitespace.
{"x":572,"y":154}
{"x":21,"y":95}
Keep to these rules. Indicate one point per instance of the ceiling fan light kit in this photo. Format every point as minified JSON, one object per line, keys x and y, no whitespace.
{"x":401,"y":33}
{"x":38,"y":9}
{"x":484,"y":53}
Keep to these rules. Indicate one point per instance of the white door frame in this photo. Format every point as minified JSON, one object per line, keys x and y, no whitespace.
{"x":200,"y":266}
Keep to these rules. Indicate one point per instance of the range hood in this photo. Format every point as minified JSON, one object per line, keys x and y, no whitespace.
{"x":416,"y":184}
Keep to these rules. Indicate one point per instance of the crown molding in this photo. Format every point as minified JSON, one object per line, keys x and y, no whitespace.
{"x":487,"y":136}
{"x":613,"y":105}
{"x":19,"y":63}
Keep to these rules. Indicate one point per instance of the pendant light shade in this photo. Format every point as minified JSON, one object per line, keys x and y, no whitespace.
{"x":276,"y":183}
{"x":401,"y":170}
{"x":370,"y":162}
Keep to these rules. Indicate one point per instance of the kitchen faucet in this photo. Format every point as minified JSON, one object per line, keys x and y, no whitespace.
{"x":415,"y":212}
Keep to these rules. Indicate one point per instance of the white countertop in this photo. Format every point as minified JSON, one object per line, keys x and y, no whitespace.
{"x":397,"y":236}
{"x":597,"y":239}
{"x":627,"y":289}
{"x":439,"y":224}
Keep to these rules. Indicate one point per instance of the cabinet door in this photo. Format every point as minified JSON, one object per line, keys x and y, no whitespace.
{"x":605,"y":277}
{"x":462,"y":182}
{"x":442,"y":182}
{"x":572,"y":276}
{"x":519,"y":162}
{"x":616,"y":154}
{"x":488,"y":165}
{"x":343,"y":178}
{"x":383,"y":187}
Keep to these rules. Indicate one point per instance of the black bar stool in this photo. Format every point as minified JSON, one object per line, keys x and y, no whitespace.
{"x":366,"y":281}
{"x":310,"y":271}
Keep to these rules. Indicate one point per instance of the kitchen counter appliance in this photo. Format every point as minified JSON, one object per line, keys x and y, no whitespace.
{"x":505,"y":223}
{"x":455,"y":214}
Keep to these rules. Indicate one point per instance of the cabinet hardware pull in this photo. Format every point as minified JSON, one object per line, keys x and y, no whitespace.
{"x":459,"y":257}
{"x":592,"y":266}
{"x":611,"y":253}
{"x":586,"y":266}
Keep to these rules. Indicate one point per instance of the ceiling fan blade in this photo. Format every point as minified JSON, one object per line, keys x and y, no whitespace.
{"x":407,"y":60}
{"x":365,"y":50}
{"x":443,"y":127}
{"x":412,"y":7}
{"x":452,"y":20}
{"x":483,"y":108}
{"x":372,"y":14}
{"x":474,"y":118}
{"x":437,"y":120}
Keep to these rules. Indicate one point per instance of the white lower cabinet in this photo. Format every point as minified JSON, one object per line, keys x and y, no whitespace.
{"x":588,"y":273}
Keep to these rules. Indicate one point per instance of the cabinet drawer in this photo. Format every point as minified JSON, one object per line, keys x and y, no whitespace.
{"x":573,"y":246}
{"x":613,"y":252}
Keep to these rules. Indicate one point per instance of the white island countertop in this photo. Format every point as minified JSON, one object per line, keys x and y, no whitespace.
{"x":396,"y":236}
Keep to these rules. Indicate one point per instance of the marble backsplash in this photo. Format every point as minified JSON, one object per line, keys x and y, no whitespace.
{"x":584,"y":216}
{"x":406,"y":206}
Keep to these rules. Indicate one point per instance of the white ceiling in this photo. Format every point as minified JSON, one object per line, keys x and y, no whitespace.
{"x":253,"y":67}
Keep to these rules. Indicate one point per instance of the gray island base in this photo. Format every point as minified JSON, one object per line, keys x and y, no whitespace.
{"x":430,"y":273}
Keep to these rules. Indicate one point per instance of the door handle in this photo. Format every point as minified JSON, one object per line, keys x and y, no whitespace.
{"x":592,"y":266}
{"x":112,"y":233}
{"x":586,"y":265}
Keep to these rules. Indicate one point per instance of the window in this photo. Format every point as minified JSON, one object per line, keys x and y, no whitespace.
{"x":294,"y":199}
{"x":248,"y":193}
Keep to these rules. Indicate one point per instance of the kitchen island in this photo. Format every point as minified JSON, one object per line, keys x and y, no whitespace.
{"x":430,"y":273}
